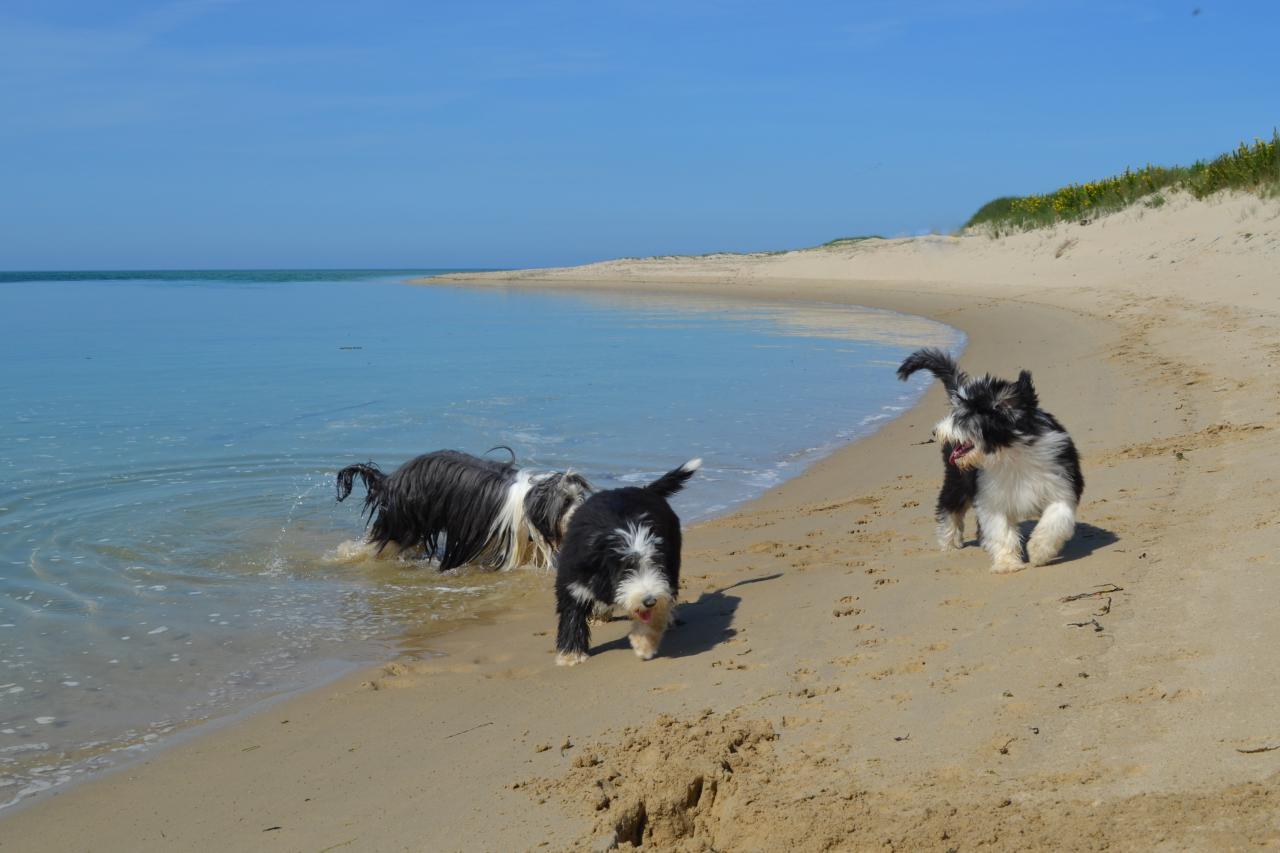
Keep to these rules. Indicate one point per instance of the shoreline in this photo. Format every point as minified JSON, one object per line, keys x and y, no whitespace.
{"x":418,"y":638}
{"x":942,"y":699}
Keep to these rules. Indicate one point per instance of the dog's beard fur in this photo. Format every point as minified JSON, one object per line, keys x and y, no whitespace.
{"x":467,"y":510}
{"x":1007,"y":459}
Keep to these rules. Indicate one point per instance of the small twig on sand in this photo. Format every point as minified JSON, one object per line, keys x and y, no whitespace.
{"x":1106,"y":608}
{"x":1258,"y":749}
{"x":1094,"y":622}
{"x":901,"y":738}
{"x":339,"y":844}
{"x":1104,"y":589}
{"x":472,"y":729}
{"x":1004,"y":750}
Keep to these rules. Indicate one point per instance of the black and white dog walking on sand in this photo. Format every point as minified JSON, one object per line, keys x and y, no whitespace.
{"x":622,"y":550}
{"x":1007,"y":458}
{"x":467,"y":510}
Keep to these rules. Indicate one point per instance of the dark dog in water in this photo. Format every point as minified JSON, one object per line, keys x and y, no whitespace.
{"x":467,"y":510}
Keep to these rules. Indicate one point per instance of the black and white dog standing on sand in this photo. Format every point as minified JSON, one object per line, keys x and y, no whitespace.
{"x":1007,"y":458}
{"x":467,"y":510}
{"x":622,"y":551}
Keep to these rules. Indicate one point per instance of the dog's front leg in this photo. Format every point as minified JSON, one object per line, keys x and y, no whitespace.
{"x":573,"y":638}
{"x":1001,"y":539}
{"x":950,"y":529}
{"x":1055,"y":527}
{"x":953,"y":502}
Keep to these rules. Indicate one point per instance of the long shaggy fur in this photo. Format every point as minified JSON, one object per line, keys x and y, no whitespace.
{"x":1004,"y":457}
{"x":622,"y":551}
{"x":467,"y":510}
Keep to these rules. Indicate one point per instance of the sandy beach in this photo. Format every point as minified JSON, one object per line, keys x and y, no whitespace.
{"x":836,"y":682}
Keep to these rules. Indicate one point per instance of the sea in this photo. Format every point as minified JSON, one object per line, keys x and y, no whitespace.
{"x":171,"y":550}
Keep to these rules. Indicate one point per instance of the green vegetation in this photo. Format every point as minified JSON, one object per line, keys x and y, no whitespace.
{"x":845,"y":241}
{"x":1252,"y":168}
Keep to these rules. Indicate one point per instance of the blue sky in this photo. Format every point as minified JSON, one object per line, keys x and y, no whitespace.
{"x":256,"y":133}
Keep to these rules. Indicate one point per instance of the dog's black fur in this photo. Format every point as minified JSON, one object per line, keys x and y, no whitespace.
{"x":622,"y":549}
{"x":458,"y":507}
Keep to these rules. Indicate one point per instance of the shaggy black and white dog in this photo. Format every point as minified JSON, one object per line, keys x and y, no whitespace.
{"x":467,"y":510}
{"x":1007,"y":458}
{"x":622,"y":550}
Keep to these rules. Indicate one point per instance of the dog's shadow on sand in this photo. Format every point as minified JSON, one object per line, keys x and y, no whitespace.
{"x":699,"y":626}
{"x":1087,"y":539}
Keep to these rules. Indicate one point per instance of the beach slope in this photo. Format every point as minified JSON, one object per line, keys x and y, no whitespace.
{"x":835,"y":681}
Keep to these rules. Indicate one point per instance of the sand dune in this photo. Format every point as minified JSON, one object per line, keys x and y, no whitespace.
{"x":838,"y":683}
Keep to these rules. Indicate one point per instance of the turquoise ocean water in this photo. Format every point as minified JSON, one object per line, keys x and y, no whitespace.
{"x":168,"y":529}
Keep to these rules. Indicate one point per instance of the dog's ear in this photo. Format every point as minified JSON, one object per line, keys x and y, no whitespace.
{"x":1026,"y":391}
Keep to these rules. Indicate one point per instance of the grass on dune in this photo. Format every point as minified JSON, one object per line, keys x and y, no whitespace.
{"x":848,"y":241}
{"x":1252,"y":168}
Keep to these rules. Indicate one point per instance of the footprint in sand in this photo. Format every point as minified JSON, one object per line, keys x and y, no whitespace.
{"x":814,"y":692}
{"x":1159,"y":693}
{"x":902,"y":669}
{"x":729,"y":664}
{"x":846,"y":607}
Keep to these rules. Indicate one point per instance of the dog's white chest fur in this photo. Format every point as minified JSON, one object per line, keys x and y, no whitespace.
{"x":1018,"y":482}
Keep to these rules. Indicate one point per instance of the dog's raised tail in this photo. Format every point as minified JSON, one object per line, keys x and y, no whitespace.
{"x":374,"y":480}
{"x":937,"y":362}
{"x":673,"y":481}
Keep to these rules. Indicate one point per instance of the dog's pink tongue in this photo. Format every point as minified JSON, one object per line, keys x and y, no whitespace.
{"x":958,"y":451}
{"x":644,"y":615}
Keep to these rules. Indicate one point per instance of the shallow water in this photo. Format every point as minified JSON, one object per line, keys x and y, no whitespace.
{"x":167,"y":523}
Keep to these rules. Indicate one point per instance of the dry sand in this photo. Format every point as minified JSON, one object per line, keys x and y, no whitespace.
{"x":838,"y":683}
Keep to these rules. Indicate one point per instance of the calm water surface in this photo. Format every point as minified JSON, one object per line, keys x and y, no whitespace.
{"x":168,"y":530}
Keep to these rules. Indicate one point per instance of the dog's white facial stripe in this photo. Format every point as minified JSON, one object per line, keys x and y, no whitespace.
{"x":638,"y":541}
{"x":581,"y":593}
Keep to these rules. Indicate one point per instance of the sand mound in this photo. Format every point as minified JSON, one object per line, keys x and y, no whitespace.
{"x":670,"y":785}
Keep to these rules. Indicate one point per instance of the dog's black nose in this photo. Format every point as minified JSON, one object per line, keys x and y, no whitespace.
{"x":650,"y":601}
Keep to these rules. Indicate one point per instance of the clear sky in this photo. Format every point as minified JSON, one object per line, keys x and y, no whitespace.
{"x":394,"y":133}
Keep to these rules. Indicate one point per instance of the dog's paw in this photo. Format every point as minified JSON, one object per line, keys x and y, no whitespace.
{"x":570,"y":658}
{"x":954,"y":543}
{"x":1040,"y":555}
{"x":1007,"y":566}
{"x":644,"y":645}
